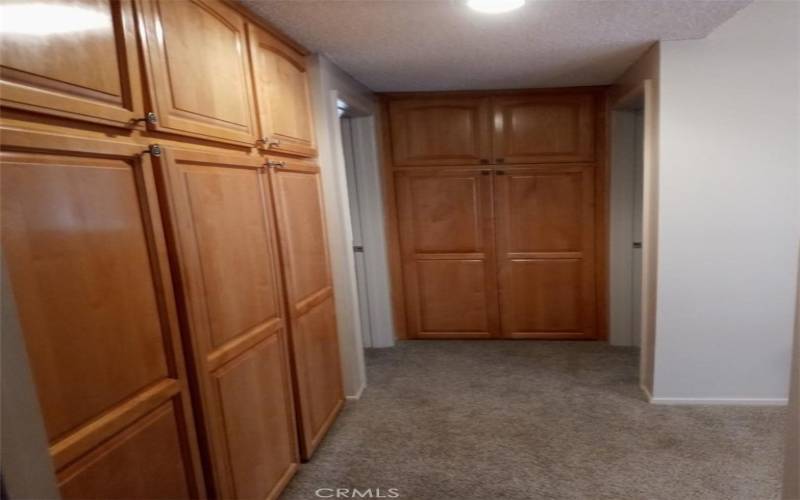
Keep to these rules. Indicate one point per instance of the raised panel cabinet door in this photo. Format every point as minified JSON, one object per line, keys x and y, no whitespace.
{"x":545,"y":251}
{"x":195,"y":54}
{"x":77,"y":59}
{"x":440,"y":131}
{"x":447,"y":244}
{"x":282,"y":93}
{"x":222,"y":229}
{"x":304,"y":250}
{"x":83,"y":242}
{"x":544,"y":128}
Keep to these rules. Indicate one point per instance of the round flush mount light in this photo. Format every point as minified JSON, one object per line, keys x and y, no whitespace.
{"x":494,"y":6}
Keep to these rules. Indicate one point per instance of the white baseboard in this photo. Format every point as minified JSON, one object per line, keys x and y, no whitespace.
{"x":720,"y":401}
{"x":357,"y":395}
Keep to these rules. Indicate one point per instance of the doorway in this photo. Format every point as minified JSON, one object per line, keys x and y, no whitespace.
{"x":633,"y":225}
{"x":626,"y":193}
{"x":368,"y":243}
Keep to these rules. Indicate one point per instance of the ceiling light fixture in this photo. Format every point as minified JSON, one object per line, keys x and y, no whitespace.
{"x":494,"y":6}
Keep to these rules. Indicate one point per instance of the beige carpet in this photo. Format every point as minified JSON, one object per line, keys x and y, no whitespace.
{"x":537,"y":420}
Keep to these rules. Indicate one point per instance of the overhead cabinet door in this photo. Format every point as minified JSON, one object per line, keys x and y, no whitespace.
{"x":284,"y":104}
{"x":544,"y":128}
{"x":198,"y":70}
{"x":545,"y":251}
{"x":446,"y":236}
{"x":222,"y":225}
{"x":440,"y":131}
{"x":83,"y":241}
{"x":76,"y":59}
{"x":304,"y":247}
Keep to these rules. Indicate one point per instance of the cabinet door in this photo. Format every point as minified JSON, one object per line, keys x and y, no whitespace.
{"x":198,"y":70}
{"x":545,"y":251}
{"x":304,"y":248}
{"x":222,"y":227}
{"x":76,"y":59}
{"x":84,"y":246}
{"x":440,"y":131}
{"x":446,"y":237}
{"x":544,"y":128}
{"x":284,"y":103}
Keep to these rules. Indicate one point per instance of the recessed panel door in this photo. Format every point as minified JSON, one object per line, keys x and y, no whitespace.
{"x":544,"y":128}
{"x":198,"y":70}
{"x":304,"y":250}
{"x":545,"y":251}
{"x":440,"y":131}
{"x":447,"y":242}
{"x":284,"y":102}
{"x":83,"y":241}
{"x":76,"y":59}
{"x":223,"y":232}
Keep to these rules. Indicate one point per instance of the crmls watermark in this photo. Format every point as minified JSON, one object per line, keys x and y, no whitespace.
{"x":357,"y":493}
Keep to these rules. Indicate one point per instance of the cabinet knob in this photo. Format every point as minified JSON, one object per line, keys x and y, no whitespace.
{"x":276,"y":164}
{"x":154,"y":150}
{"x":151,"y":118}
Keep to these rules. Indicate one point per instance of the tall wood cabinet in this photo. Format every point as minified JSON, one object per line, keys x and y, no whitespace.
{"x":163,"y":229}
{"x":221,"y":225}
{"x":499,"y":213}
{"x":309,"y":289}
{"x":84,"y":246}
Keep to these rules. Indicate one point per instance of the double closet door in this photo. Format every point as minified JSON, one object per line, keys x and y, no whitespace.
{"x":496,"y":213}
{"x":498,"y":252}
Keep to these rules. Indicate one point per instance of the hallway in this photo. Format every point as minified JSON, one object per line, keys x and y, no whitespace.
{"x":478,"y":420}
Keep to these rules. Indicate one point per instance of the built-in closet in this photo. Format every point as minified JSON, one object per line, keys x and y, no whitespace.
{"x":496,"y":203}
{"x":163,"y":230}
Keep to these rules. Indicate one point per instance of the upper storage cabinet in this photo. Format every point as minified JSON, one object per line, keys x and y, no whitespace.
{"x":74,"y":59}
{"x":544,"y":128}
{"x":440,"y":131}
{"x":284,"y":104}
{"x":198,"y":71}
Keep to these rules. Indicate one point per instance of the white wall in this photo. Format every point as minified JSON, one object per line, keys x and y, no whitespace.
{"x":328,"y":84}
{"x":728,"y":210}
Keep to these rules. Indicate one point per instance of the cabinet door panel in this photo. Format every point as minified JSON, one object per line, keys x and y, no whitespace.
{"x":84,"y":246}
{"x":545,"y":246}
{"x":76,"y":59}
{"x":284,"y":102}
{"x":198,"y":70}
{"x":440,"y":131}
{"x":446,"y":237}
{"x":544,"y":128}
{"x":224,"y":237}
{"x":304,"y":248}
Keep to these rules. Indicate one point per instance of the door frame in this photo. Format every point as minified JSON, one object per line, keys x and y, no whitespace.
{"x":646,"y":92}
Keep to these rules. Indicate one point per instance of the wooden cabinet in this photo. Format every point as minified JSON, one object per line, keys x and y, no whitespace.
{"x":304,"y":250}
{"x":74,"y":59}
{"x":447,"y":241}
{"x":544,"y":128}
{"x":84,"y":245}
{"x":440,"y":131}
{"x":221,"y":223}
{"x":198,"y":70}
{"x":545,"y":248}
{"x":283,"y":100}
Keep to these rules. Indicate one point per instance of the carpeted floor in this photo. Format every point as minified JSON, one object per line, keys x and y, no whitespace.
{"x":537,"y":420}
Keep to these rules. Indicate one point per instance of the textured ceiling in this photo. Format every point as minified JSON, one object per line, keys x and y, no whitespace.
{"x":400,"y":45}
